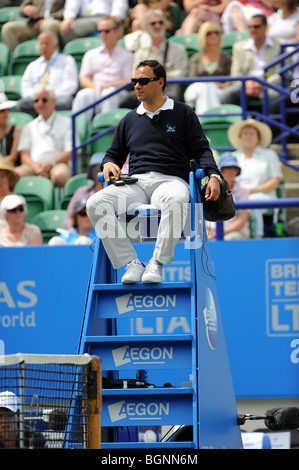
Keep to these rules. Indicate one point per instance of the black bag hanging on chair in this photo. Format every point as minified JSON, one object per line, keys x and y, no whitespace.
{"x":223,"y":208}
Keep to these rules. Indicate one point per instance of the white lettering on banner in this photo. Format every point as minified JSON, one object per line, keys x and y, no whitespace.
{"x":282,"y":292}
{"x":139,"y":303}
{"x":295,"y":352}
{"x":26,"y":299}
{"x":141,"y":355}
{"x":161,"y":325}
{"x":137,"y":411}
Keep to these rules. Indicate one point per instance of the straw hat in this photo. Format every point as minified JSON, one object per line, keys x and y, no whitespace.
{"x":8,"y":166}
{"x":234,"y":132}
{"x":5,"y":103}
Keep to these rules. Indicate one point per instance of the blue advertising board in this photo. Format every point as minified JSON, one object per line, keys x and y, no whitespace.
{"x":43,"y":294}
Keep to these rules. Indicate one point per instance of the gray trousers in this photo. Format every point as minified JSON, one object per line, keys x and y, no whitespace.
{"x":168,"y":193}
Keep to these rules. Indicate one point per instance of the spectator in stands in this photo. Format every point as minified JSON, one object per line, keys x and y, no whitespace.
{"x":84,"y":192}
{"x":53,"y":68}
{"x":237,"y":13}
{"x":10,"y":428}
{"x":81,"y":17}
{"x":135,"y":18}
{"x":156,"y":46}
{"x":103,"y":69}
{"x":46,"y":142}
{"x":8,"y":180}
{"x":162,"y":173}
{"x":42,"y":16}
{"x":17,"y":232}
{"x":210,"y":61}
{"x":236,"y":228}
{"x":260,"y":166}
{"x":249,"y":57}
{"x":198,"y":12}
{"x":82,"y":232}
{"x":9,"y":134}
{"x":284,"y":23}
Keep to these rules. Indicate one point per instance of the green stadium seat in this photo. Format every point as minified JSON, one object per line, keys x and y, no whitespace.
{"x":23,"y":54}
{"x":228,"y":39}
{"x":49,"y":221}
{"x":38,"y":192}
{"x":10,"y":14}
{"x":12,"y":86}
{"x":101,"y":122}
{"x":189,"y":41}
{"x":77,"y":47}
{"x":4,"y":58}
{"x":19,"y":119}
{"x":71,"y":186}
{"x":215,"y":127}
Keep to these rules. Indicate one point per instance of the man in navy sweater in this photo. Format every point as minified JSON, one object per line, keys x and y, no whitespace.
{"x":160,"y":136}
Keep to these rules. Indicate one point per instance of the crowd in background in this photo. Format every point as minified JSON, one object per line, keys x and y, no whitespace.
{"x":130,"y":31}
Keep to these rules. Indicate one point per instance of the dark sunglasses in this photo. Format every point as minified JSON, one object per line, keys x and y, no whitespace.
{"x":82,"y":213}
{"x":209,"y":33}
{"x":255,"y":26}
{"x":143,"y":81}
{"x":44,"y":100}
{"x":16,"y":209}
{"x":107,"y":31}
{"x":153,"y":23}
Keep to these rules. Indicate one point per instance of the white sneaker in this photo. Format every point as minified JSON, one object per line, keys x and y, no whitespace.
{"x":153,"y":272}
{"x":134,"y":271}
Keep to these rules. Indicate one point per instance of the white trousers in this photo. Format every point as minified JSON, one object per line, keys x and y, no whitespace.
{"x":168,"y":193}
{"x":87,"y":96}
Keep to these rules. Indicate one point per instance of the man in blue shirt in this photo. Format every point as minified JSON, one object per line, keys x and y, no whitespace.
{"x":156,"y":136}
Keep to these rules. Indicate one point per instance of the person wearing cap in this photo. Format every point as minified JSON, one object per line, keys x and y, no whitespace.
{"x":46,"y":142}
{"x":17,"y":232}
{"x":261,"y":171}
{"x":236,"y":228}
{"x":9,"y":134}
{"x":82,"y":233}
{"x":10,"y":425}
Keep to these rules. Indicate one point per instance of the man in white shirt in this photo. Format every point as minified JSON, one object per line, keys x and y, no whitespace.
{"x":46,"y":142}
{"x":249,"y":58}
{"x":81,"y":17}
{"x":53,"y":68}
{"x":103,"y":69}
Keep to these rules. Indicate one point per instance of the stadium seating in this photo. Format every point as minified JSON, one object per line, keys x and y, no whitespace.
{"x":100,"y":123}
{"x":12,"y":86}
{"x":228,"y":39}
{"x":215,"y":127}
{"x":38,"y":192}
{"x":19,"y":119}
{"x":48,"y":221}
{"x":4,"y":58}
{"x":71,"y":186}
{"x":23,"y":54}
{"x":77,"y":47}
{"x":10,"y":14}
{"x":189,"y":41}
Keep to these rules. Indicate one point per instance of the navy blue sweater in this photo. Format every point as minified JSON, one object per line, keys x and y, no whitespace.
{"x":138,"y":136}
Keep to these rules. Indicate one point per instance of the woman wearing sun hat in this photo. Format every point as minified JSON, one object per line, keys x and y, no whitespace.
{"x":17,"y":232}
{"x":260,"y":166}
{"x":9,"y":135}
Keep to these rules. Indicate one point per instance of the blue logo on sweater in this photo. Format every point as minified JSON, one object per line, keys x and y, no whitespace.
{"x":170,"y":128}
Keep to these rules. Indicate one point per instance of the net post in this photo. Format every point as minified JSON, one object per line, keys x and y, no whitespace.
{"x":94,"y":371}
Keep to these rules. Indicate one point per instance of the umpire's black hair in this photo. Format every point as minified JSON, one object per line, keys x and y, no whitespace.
{"x":158,"y":69}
